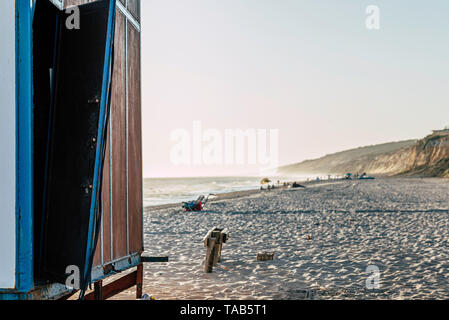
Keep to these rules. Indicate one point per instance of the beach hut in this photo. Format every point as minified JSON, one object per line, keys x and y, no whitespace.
{"x":70,"y":137}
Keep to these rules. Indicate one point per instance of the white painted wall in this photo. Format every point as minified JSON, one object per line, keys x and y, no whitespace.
{"x":7,"y":145}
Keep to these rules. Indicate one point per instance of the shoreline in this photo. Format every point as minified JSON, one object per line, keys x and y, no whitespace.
{"x":245,"y":193}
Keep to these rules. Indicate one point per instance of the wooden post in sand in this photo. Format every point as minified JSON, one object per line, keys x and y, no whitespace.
{"x":265,"y":256}
{"x":209,"y":263}
{"x":223,"y":239}
{"x":213,"y":242}
{"x":216,"y":251}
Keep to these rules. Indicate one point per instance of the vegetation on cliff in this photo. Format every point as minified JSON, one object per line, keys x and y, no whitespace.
{"x":427,"y":157}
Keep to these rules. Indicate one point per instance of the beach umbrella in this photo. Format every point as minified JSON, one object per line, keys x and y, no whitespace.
{"x":265,"y":181}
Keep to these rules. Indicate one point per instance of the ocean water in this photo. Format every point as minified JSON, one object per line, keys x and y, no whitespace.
{"x":159,"y":191}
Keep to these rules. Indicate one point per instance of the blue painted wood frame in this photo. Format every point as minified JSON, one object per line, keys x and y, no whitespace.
{"x":24,"y":147}
{"x":101,"y":134}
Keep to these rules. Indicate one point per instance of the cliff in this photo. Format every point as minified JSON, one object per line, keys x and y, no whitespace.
{"x":426,"y":157}
{"x":429,"y":157}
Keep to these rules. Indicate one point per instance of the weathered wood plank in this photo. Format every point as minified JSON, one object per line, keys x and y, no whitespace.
{"x":135,"y":172}
{"x":106,"y":205}
{"x":98,"y":290}
{"x":209,"y":262}
{"x":118,"y":128}
{"x":216,"y":251}
{"x":116,"y":287}
{"x":139,"y":282}
{"x":213,"y":242}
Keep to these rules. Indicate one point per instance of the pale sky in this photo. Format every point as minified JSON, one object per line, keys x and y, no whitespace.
{"x":310,"y":69}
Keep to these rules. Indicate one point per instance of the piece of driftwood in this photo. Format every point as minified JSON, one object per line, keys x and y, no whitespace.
{"x":213,"y":242}
{"x":265,"y":256}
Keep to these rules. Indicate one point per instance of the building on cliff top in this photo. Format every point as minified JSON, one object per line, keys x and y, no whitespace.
{"x":445,"y":131}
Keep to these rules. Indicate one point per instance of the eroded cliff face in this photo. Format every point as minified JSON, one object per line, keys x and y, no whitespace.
{"x":426,"y":157}
{"x":430,"y":157}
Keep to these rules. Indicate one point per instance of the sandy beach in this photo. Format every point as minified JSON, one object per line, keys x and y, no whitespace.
{"x":399,"y":225}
